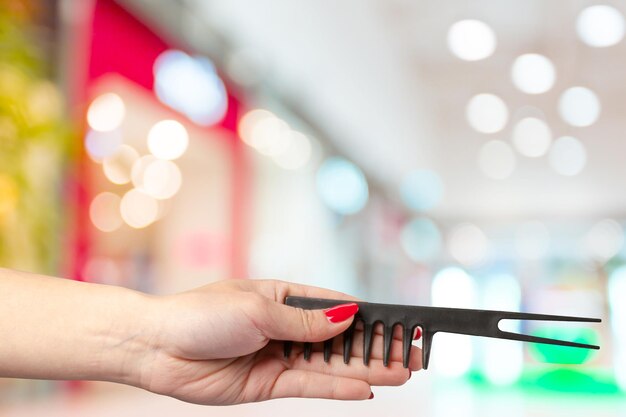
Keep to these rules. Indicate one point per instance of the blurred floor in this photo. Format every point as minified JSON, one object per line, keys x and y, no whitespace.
{"x":417,"y":397}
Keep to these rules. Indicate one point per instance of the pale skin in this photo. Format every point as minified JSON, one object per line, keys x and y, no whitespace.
{"x":215,"y":345}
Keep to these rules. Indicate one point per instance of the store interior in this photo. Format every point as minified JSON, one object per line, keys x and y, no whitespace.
{"x":450,"y":154}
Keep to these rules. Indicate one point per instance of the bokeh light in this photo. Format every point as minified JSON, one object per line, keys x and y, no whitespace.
{"x":532,"y":137}
{"x":452,"y":357}
{"x":168,"y":139}
{"x":9,"y":195}
{"x":265,"y":132}
{"x":604,"y":240}
{"x":533,"y":73}
{"x":161,"y":179}
{"x":503,"y":361}
{"x":138,"y":209}
{"x":471,"y":40}
{"x":579,"y":106}
{"x":106,"y":112}
{"x":452,"y":287}
{"x":139,"y":168}
{"x":191,"y":86}
{"x":568,"y":156}
{"x":600,"y":26}
{"x":342,"y":186}
{"x":297,"y":153}
{"x":422,"y":190}
{"x":532,"y":240}
{"x":615,"y":293}
{"x":469,"y":245}
{"x":104,"y":212}
{"x":247,"y":123}
{"x":117,"y":167}
{"x":487,"y":113}
{"x":421,"y":239}
{"x":100,"y":145}
{"x":496,"y":160}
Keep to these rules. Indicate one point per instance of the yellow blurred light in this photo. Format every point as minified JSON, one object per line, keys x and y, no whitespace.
{"x":138,"y":209}
{"x":44,"y":103}
{"x":117,"y":168}
{"x":168,"y":139}
{"x":106,"y":112}
{"x":297,"y":153}
{"x":104,"y":212}
{"x":9,"y":194}
{"x":161,"y":179}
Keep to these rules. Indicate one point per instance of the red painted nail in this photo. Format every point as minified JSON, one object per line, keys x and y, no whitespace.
{"x":418,"y":333}
{"x":410,"y":375}
{"x":342,"y":312}
{"x":371,"y":395}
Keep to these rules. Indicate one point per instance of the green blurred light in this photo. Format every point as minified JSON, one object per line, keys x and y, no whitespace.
{"x":564,"y":354}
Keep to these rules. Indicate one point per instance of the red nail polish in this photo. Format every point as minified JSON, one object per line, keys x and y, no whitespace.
{"x":341,"y":312}
{"x":410,"y":375}
{"x":418,"y":333}
{"x":371,"y":395}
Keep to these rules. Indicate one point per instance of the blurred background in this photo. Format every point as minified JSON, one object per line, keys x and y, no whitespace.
{"x":463,"y":154}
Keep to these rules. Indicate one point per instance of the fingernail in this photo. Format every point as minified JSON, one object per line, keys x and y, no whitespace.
{"x":410,"y":375}
{"x":341,"y":312}
{"x":371,"y":395}
{"x":418,"y":333}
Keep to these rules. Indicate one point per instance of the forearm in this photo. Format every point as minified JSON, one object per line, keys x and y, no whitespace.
{"x":55,"y":328}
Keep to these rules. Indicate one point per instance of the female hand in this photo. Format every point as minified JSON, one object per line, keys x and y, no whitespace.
{"x":220,"y":344}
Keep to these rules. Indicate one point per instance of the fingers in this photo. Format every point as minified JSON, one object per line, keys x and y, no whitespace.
{"x":374,"y":374}
{"x":306,"y":384}
{"x":281,"y":322}
{"x":415,"y":358}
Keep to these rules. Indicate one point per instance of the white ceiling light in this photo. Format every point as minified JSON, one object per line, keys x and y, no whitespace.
{"x":600,"y":26}
{"x":568,"y":156}
{"x":533,"y":73}
{"x":579,"y":106}
{"x":532,"y":137}
{"x":471,"y":40}
{"x":487,"y":113}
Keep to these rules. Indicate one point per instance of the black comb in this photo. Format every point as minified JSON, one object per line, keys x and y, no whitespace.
{"x":431,"y":320}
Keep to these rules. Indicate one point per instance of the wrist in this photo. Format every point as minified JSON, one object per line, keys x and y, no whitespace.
{"x":130,"y":338}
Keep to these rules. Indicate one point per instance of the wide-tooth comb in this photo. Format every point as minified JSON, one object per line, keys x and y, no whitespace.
{"x":431,"y":320}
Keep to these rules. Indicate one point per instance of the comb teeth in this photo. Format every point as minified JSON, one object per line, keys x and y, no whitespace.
{"x":430,"y":319}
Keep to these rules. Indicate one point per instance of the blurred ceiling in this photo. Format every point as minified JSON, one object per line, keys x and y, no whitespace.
{"x":378,"y":77}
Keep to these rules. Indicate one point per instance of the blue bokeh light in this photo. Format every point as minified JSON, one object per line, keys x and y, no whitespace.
{"x":422,"y":190}
{"x":421,"y":239}
{"x":191,"y":86}
{"x":342,"y":186}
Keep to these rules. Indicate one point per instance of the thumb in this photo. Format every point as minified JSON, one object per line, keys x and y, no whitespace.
{"x":284,"y":322}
